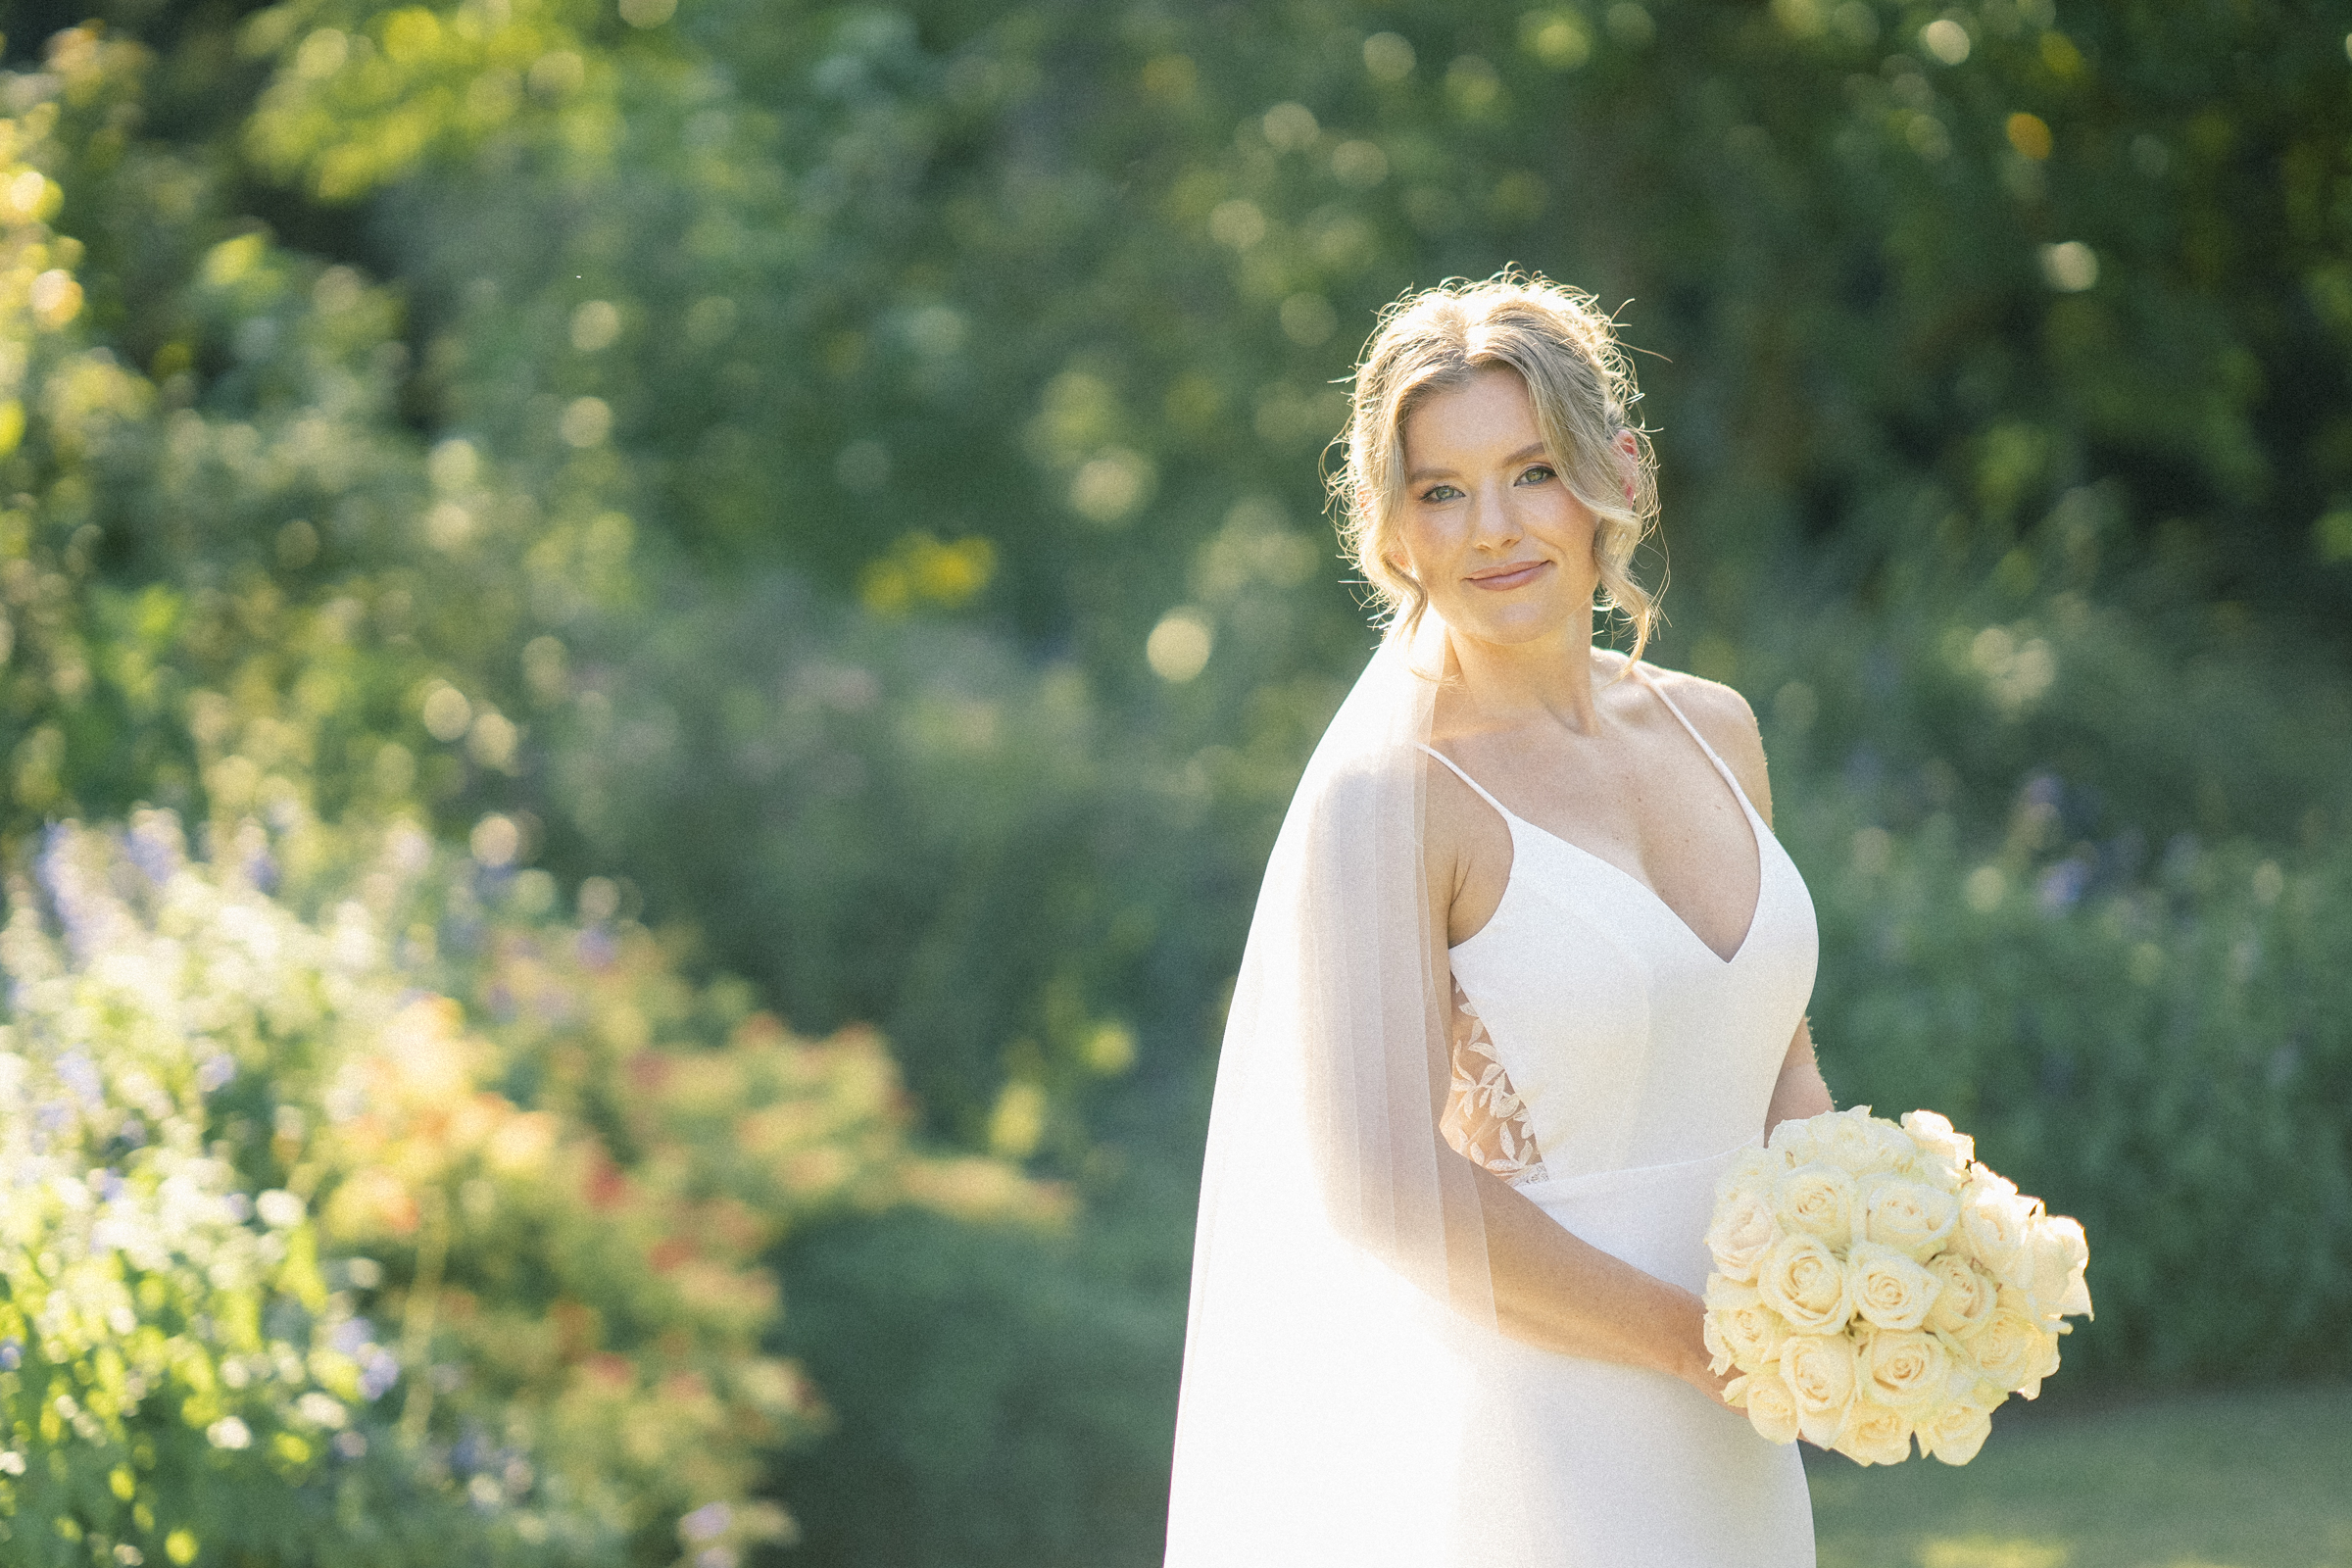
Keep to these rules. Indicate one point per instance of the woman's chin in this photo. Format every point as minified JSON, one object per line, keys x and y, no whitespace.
{"x":1532,"y":620}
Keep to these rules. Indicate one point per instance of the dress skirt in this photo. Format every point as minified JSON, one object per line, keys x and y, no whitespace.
{"x":1579,"y":1464}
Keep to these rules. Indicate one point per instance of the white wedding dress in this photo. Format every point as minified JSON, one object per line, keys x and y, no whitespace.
{"x":1609,"y":1065}
{"x":1348,"y":1399}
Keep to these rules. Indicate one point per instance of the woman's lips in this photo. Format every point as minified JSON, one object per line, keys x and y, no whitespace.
{"x":1510,"y":576}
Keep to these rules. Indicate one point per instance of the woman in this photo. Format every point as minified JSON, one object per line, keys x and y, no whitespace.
{"x":1528,"y":969}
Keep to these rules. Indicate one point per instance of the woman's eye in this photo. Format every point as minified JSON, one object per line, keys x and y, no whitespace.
{"x":1439,"y":492}
{"x":1538,"y":474}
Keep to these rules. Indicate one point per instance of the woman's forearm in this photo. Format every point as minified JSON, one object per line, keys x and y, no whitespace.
{"x":1557,"y":1292}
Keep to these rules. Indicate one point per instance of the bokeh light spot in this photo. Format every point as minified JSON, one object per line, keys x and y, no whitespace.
{"x":447,"y":712}
{"x":1388,"y":56}
{"x":595,"y":325}
{"x":1556,"y":38}
{"x":2029,"y":135}
{"x":1179,"y":646}
{"x":2070,"y":266}
{"x":1290,"y":126}
{"x":586,"y":422}
{"x":1238,"y":223}
{"x":1112,"y":485}
{"x":1945,"y":39}
{"x":495,"y":841}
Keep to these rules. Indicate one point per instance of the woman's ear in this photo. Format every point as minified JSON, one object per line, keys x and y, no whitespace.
{"x":1629,"y":460}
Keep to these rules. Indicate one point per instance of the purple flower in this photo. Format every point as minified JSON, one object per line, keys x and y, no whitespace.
{"x":379,"y":1369}
{"x":156,"y":847}
{"x":2062,"y":885}
{"x":80,"y":1074}
{"x":12,"y":1354}
{"x":711,"y":1519}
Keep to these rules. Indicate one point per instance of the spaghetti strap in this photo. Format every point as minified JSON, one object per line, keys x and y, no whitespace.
{"x":1467,"y":779}
{"x":1728,"y":777}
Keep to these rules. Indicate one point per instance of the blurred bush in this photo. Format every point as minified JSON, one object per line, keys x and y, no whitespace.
{"x":296,"y":1245}
{"x":2164,"y":1057}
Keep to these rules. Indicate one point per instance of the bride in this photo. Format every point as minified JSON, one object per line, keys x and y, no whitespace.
{"x":1528,"y":969}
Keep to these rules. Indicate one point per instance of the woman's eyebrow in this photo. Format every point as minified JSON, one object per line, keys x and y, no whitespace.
{"x":1534,"y":449}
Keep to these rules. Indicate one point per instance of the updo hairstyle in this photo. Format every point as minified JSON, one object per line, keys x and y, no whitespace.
{"x":1565,"y":349}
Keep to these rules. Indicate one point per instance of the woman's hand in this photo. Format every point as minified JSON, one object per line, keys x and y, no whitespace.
{"x":1696,"y":1368}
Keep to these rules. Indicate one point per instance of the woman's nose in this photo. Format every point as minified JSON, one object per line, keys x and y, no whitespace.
{"x":1494,"y":521}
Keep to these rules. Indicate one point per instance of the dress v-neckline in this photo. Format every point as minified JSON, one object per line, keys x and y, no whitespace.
{"x":1656,"y":898}
{"x":1756,"y":831}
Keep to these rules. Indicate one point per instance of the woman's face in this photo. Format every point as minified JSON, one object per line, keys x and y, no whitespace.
{"x":1488,"y":528}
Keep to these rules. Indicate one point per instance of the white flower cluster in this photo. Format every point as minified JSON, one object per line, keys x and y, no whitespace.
{"x":137,"y":1266}
{"x":1873,"y":1283}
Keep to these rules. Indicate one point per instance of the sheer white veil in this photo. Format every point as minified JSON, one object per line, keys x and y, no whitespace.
{"x":1339,"y":1275}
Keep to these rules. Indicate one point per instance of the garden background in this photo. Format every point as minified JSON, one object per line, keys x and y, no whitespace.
{"x":650,"y":654}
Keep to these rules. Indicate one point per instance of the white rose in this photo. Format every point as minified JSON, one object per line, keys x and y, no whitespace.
{"x":1889,"y":1291}
{"x":1719,"y":1354}
{"x":1771,"y":1407}
{"x":1802,"y":1280}
{"x":1820,"y":1371}
{"x":1816,"y":1201}
{"x":1910,"y":1216}
{"x":1906,"y":1368}
{"x":2014,"y":1351}
{"x":1858,"y":1143}
{"x":1875,"y":1433}
{"x":1964,"y":1296}
{"x":1938,"y":1142}
{"x":1996,"y":1219}
{"x":1744,"y":1324}
{"x":2046,"y":1366}
{"x":1753,"y":1169}
{"x":2056,"y":1256}
{"x":1742,"y":1232}
{"x":1794,"y":1141}
{"x":1956,"y":1431}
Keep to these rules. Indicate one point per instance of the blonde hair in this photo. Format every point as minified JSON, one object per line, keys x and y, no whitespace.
{"x":1565,"y":349}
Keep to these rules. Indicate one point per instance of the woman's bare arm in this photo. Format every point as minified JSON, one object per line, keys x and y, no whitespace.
{"x":1558,"y":1292}
{"x":1799,"y":1093}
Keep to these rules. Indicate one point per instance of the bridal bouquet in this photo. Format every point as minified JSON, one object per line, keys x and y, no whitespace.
{"x":1872,"y":1284}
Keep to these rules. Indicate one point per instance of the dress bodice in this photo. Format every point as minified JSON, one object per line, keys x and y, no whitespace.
{"x":1623,"y":1039}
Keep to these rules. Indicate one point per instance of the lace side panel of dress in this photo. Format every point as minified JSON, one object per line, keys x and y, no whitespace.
{"x":1485,"y":1119}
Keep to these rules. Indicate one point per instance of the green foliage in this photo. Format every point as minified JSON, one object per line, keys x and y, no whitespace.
{"x":2166,"y":1059}
{"x":1024,"y":1392}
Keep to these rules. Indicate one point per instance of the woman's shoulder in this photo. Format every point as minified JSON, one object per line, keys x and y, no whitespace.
{"x":1723,"y":717}
{"x":1705,"y":701}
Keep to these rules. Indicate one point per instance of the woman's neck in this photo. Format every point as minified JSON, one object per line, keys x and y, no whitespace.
{"x":1550,"y":680}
